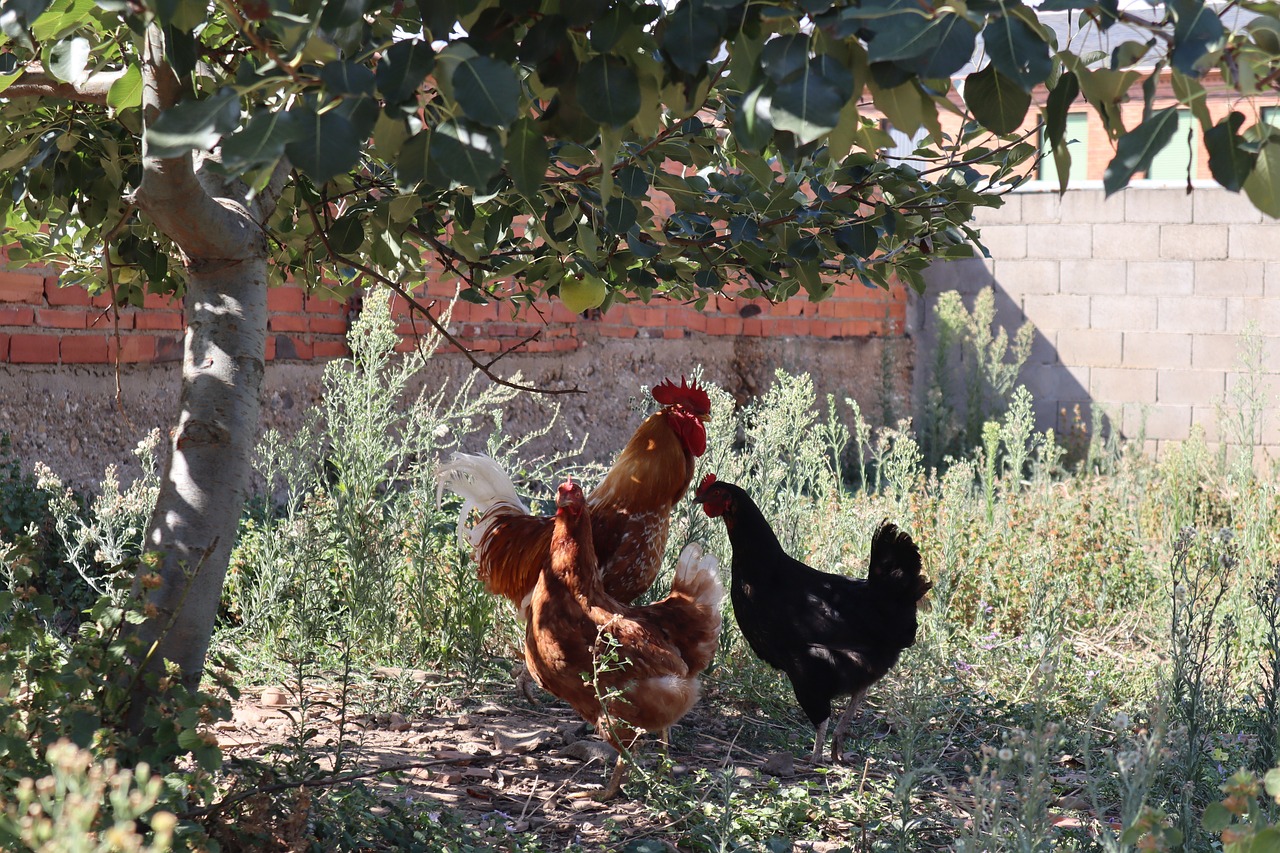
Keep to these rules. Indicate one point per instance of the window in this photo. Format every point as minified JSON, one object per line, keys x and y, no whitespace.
{"x":1177,"y":158}
{"x":904,"y":145}
{"x":1077,"y":138}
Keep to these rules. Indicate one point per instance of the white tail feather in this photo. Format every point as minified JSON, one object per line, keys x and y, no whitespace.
{"x":482,"y":485}
{"x":698,"y":576}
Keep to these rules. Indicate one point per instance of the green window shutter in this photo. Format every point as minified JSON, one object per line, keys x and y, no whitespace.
{"x":1077,"y":135}
{"x":1178,"y":158}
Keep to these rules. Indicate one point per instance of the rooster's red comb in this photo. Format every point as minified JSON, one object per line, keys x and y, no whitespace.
{"x":686,"y":394}
{"x":705,"y":484}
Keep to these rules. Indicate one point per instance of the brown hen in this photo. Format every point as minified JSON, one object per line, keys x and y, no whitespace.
{"x":624,"y":669}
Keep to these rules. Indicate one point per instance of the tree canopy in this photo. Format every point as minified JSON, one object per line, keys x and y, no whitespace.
{"x":664,"y":148}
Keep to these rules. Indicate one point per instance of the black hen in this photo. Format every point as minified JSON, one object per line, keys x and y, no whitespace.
{"x":832,"y":635}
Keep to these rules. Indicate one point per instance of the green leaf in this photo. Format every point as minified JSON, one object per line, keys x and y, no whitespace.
{"x":953,"y":51}
{"x":66,"y":60}
{"x":1017,"y":51}
{"x":1061,"y":97}
{"x":752,"y":125}
{"x":463,"y":154}
{"x":487,"y":90}
{"x":192,"y":125}
{"x":388,"y":135}
{"x":414,"y":160}
{"x":784,"y":56}
{"x":998,"y":103}
{"x":526,"y":156}
{"x":1215,"y":818}
{"x":1197,"y":30}
{"x":1229,"y":163}
{"x":126,"y":92}
{"x":346,"y":234}
{"x":1266,"y":841}
{"x":619,"y":215}
{"x":61,"y":19}
{"x":260,"y":143}
{"x":341,"y":13}
{"x":1263,"y":184}
{"x":1271,"y":782}
{"x":809,"y":106}
{"x":326,"y":145}
{"x":1138,"y":148}
{"x":347,"y":78}
{"x":1189,"y":91}
{"x":402,"y":69}
{"x":608,"y":91}
{"x":690,"y":37}
{"x":902,"y":105}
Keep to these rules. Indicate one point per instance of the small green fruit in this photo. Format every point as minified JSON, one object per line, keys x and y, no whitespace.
{"x":581,"y":294}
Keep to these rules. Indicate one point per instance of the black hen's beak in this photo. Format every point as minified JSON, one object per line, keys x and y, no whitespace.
{"x":699,"y":499}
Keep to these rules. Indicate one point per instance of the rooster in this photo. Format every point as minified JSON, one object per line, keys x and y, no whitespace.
{"x":832,"y":635}
{"x":630,"y":509}
{"x":624,"y":669}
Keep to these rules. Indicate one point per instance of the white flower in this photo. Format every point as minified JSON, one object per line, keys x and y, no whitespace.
{"x":1005,"y":754}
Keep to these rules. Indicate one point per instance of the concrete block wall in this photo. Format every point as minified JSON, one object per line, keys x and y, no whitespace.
{"x":1140,"y":303}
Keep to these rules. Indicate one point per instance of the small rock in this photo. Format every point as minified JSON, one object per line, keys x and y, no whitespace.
{"x":520,"y":742}
{"x":274,"y":697}
{"x":782,"y":764}
{"x":489,"y":709}
{"x":1072,"y":802}
{"x":744,"y":773}
{"x":472,"y":748}
{"x":571,"y":732}
{"x":590,"y":750}
{"x":397,"y":722}
{"x":679,"y":771}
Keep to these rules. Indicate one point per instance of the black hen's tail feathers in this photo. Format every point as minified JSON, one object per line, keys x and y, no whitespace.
{"x":895,"y":563}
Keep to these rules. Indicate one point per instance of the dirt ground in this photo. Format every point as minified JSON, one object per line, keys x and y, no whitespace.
{"x":528,"y":767}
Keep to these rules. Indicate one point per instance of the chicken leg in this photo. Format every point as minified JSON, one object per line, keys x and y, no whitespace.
{"x":842,"y":726}
{"x":818,"y":743}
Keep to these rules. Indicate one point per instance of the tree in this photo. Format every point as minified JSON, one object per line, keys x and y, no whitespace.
{"x":603,"y":150}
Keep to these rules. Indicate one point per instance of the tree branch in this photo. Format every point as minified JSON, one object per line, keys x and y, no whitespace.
{"x":37,"y":84}
{"x":485,"y":368}
{"x":204,"y":228}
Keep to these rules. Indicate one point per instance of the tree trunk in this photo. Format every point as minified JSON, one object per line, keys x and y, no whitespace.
{"x":193,"y":528}
{"x":218,"y":228}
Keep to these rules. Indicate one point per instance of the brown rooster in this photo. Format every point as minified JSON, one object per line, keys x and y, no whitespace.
{"x":624,"y":669}
{"x":630,"y":509}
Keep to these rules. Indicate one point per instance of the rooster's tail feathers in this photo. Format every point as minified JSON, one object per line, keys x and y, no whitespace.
{"x":697,"y":575}
{"x":895,"y":562}
{"x":482,"y":485}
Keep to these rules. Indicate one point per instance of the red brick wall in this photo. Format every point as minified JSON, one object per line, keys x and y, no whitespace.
{"x":44,"y":323}
{"x":854,"y":311}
